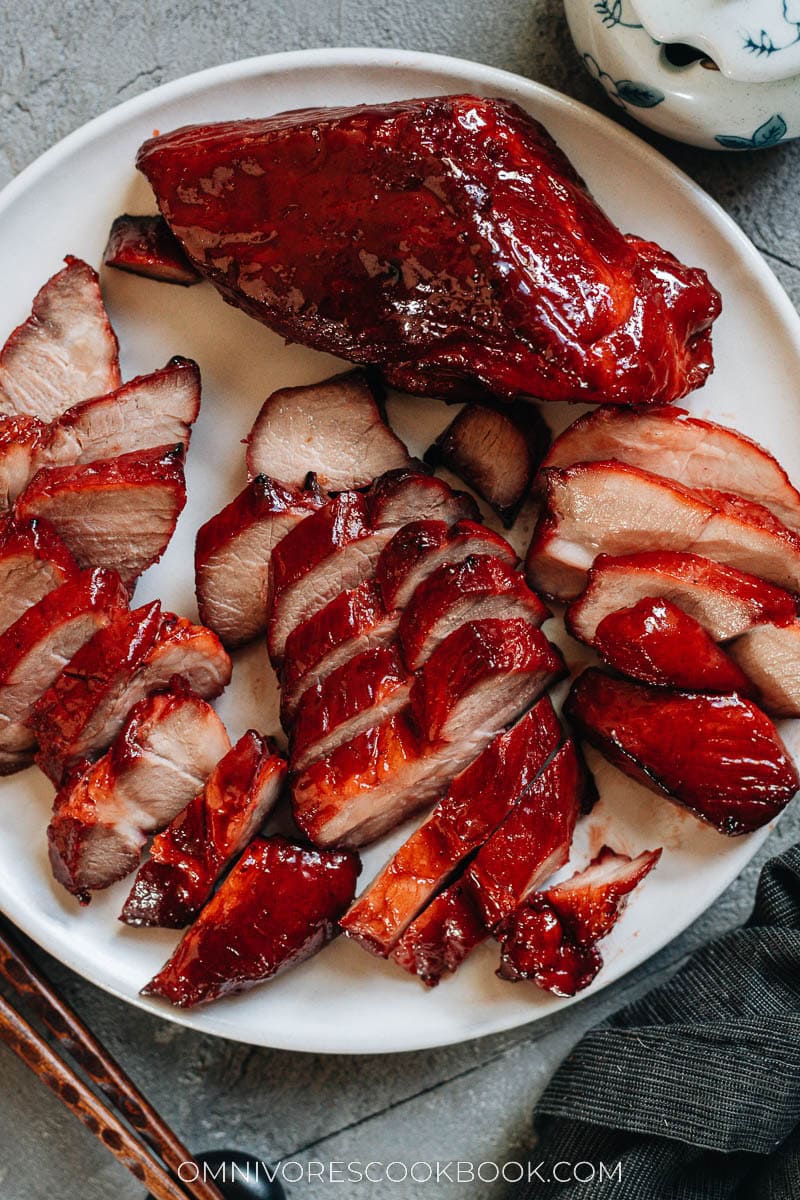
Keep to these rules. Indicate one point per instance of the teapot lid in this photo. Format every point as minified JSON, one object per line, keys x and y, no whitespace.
{"x":751,"y":41}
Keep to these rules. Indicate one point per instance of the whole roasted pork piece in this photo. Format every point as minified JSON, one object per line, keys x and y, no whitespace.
{"x":102,"y":816}
{"x":531,"y":843}
{"x":611,"y":508}
{"x":334,"y":428}
{"x":152,"y":410}
{"x":233,"y":552}
{"x":478,"y":681}
{"x":475,"y":803}
{"x":696,"y":453}
{"x":725,"y":602}
{"x":447,"y":240}
{"x":33,"y":561}
{"x":769,"y":655}
{"x":66,"y":351}
{"x":279,"y":905}
{"x":658,"y":643}
{"x":146,"y":246}
{"x":480,"y":586}
{"x":138,"y":653}
{"x":718,"y":756}
{"x":552,"y":937}
{"x":35,"y":648}
{"x":118,"y":512}
{"x":496,"y":451}
{"x":188,"y":858}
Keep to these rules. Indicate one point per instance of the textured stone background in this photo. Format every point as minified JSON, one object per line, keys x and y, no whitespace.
{"x":61,"y":64}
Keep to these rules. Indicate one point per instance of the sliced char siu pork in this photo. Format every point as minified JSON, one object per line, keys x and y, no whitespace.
{"x":33,"y":561}
{"x":552,"y":937}
{"x":725,"y":602}
{"x":478,"y":681}
{"x":65,"y":352}
{"x":37,"y":647}
{"x":334,"y":428}
{"x":718,"y":756}
{"x":188,"y":858}
{"x":475,"y":803}
{"x":696,"y":453}
{"x":152,"y":410}
{"x":530,"y":844}
{"x":166,"y":749}
{"x":658,"y":643}
{"x":138,"y":653}
{"x":610,"y":508}
{"x":769,"y":655}
{"x":481,"y":585}
{"x":146,"y":246}
{"x":233,"y":552}
{"x":496,"y":451}
{"x":413,"y":494}
{"x":118,"y":512}
{"x":279,"y":905}
{"x":396,"y":256}
{"x":420,"y":547}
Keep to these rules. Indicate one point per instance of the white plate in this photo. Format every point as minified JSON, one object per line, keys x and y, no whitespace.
{"x":345,"y":1000}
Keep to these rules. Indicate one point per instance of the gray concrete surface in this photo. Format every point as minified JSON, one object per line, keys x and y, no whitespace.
{"x":61,"y":64}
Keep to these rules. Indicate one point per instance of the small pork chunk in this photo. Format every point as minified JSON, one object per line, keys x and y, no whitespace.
{"x":334,"y":428}
{"x":279,"y":906}
{"x":145,"y":245}
{"x":188,"y":858}
{"x":162,"y":756}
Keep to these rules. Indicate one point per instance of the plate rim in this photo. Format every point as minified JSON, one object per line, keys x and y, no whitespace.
{"x":204,"y":1021}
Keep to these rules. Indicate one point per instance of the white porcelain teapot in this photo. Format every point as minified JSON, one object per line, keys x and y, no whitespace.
{"x":724,"y":74}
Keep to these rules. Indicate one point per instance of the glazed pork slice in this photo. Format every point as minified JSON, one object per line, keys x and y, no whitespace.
{"x":37,"y":647}
{"x":658,"y":643}
{"x":529,"y":845}
{"x":360,"y":693}
{"x":145,"y":245}
{"x":191,"y":854}
{"x":552,"y":937}
{"x":496,"y":451}
{"x":24,"y":447}
{"x":696,"y":453}
{"x":478,"y":681}
{"x":279,"y":905}
{"x":480,"y":586}
{"x":476,"y":802}
{"x":610,"y":508}
{"x":420,"y":547}
{"x":724,"y":601}
{"x":769,"y":655}
{"x":334,"y":428}
{"x":447,"y":239}
{"x":66,"y":351}
{"x":33,"y":561}
{"x":118,"y":512}
{"x":233,"y":552}
{"x":166,"y":749}
{"x":413,"y":494}
{"x":138,"y":653}
{"x":718,"y":756}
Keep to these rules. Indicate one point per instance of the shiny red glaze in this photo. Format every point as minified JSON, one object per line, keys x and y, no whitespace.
{"x":278,"y":906}
{"x":551,"y":938}
{"x":365,"y":682}
{"x":33,"y":561}
{"x":412,"y":494}
{"x":446,"y":238}
{"x":478,"y":799}
{"x":472,"y":656}
{"x":658,"y":643}
{"x":719,"y":756}
{"x":441,"y":937}
{"x":70,"y":497}
{"x":463,"y":588}
{"x":187,"y":859}
{"x":420,"y":546}
{"x":145,"y":245}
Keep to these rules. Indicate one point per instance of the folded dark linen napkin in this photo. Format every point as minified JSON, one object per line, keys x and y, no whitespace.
{"x":693,"y":1092}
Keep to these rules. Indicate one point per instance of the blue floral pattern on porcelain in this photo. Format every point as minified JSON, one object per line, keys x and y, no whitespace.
{"x":684,"y":95}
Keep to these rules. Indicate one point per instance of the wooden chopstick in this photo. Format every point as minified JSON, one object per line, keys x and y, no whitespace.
{"x":107,"y":1075}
